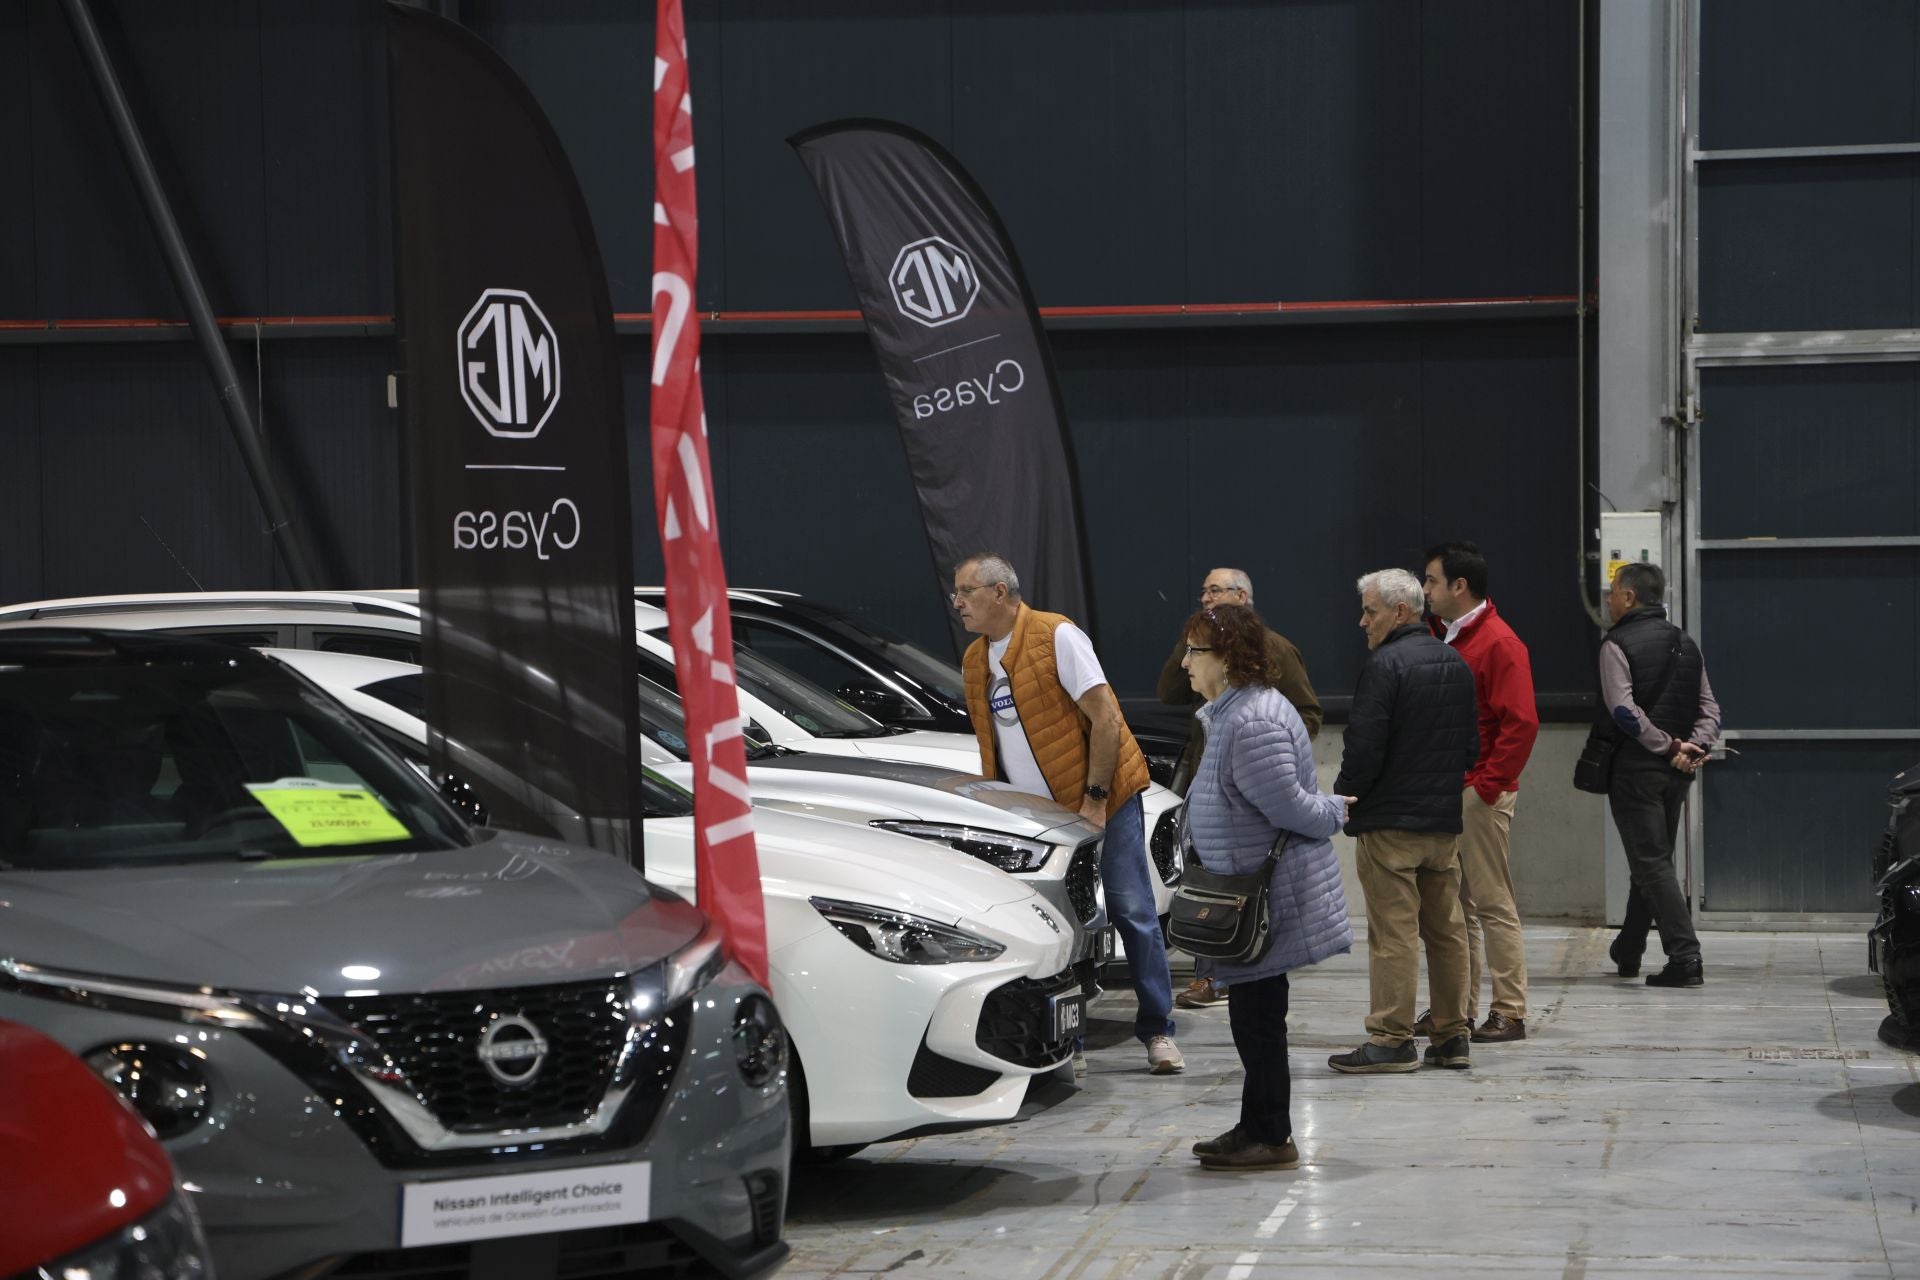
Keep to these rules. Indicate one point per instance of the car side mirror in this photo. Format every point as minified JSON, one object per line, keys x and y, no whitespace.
{"x":466,"y":801}
{"x":878,"y":701}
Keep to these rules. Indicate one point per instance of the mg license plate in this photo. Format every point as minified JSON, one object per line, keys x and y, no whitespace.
{"x":1069,"y":1015}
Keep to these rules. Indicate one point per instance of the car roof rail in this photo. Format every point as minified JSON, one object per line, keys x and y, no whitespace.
{"x":67,"y":644}
{"x":758,"y":595}
{"x":81,"y":607}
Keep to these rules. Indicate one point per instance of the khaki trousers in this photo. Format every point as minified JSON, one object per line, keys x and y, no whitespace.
{"x":1486,"y":897}
{"x":1411,"y":880}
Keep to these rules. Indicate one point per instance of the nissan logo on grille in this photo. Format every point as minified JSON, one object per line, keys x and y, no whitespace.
{"x":512,"y":1050}
{"x":933,"y":282}
{"x":509,"y":364}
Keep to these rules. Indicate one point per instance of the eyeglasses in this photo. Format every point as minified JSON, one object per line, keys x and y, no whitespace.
{"x":1211,"y":590}
{"x":961,"y":593}
{"x":1198,"y":648}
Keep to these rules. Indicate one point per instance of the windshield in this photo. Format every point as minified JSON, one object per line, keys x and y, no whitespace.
{"x":798,"y":699}
{"x":905,"y":656}
{"x":110,"y":760}
{"x":665,"y":721}
{"x":661,"y":798}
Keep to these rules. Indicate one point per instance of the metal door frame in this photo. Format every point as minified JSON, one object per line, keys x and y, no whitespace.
{"x":1727,"y":350}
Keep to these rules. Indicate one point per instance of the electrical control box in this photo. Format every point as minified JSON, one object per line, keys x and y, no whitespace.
{"x":1627,"y":536}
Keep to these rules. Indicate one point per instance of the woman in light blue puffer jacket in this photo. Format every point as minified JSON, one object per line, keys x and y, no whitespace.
{"x":1256,"y":782}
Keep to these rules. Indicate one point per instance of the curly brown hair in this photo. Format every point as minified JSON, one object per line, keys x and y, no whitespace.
{"x":1239,"y":635}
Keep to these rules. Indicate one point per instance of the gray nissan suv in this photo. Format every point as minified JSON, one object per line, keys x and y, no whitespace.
{"x":374,"y":1042}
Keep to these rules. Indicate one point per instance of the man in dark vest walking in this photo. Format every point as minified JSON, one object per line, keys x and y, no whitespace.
{"x":1653,"y":685}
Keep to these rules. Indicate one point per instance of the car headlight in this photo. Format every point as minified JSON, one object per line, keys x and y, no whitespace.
{"x":1169,"y":844}
{"x":201,"y":1005}
{"x":166,"y":1245}
{"x":1007,"y":852}
{"x":759,"y":1041}
{"x":165,"y":1084}
{"x":680,"y":975}
{"x":903,"y":938}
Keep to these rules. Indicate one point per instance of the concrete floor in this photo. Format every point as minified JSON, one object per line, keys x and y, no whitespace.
{"x":1753,"y":1127}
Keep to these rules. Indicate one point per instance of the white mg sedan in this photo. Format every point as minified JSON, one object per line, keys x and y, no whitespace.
{"x":922,"y":988}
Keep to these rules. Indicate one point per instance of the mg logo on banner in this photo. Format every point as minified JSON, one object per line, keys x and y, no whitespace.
{"x":509,"y":364}
{"x":933,"y":282}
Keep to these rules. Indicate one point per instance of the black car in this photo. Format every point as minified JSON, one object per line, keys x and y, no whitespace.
{"x":886,"y":675}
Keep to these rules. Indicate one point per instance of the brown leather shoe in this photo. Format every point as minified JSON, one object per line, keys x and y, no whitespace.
{"x":1201,"y":993}
{"x":1232,"y":1140}
{"x":1499,"y":1028}
{"x":1255,"y":1156}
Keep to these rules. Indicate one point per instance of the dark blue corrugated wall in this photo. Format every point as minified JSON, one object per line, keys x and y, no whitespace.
{"x":1140,"y":152}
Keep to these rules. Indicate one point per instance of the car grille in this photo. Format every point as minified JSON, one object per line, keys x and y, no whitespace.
{"x":1016,"y":1020}
{"x":1083,"y":878}
{"x":598,"y":1253}
{"x":435,"y":1041}
{"x":934,"y":1076}
{"x":1165,"y":845}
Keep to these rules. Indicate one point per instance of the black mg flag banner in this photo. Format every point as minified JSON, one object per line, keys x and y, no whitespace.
{"x":522,"y":515}
{"x":960,"y":345}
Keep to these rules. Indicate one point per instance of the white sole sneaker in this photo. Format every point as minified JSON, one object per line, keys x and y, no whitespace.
{"x":1168,"y":1061}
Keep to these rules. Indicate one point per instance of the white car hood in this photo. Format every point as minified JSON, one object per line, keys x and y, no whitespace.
{"x":956,"y":751}
{"x":861,"y":790}
{"x":804,"y":857}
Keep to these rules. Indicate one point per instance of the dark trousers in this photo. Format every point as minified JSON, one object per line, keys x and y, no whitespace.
{"x":1646,"y":799}
{"x":1257,"y":1012}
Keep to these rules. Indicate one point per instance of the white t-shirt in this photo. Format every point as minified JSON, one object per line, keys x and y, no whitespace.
{"x":1078,"y":669}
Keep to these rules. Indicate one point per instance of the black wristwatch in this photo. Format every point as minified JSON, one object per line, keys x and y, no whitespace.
{"x":1097,"y":793}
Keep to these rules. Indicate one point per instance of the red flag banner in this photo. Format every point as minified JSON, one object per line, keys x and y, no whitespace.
{"x":725,"y":862}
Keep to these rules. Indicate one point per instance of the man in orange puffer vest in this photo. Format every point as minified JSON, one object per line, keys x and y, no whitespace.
{"x":1048,"y":723}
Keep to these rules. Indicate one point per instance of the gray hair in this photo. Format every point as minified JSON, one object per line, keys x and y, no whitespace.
{"x":991,"y":567}
{"x":1238,"y":580}
{"x":1394,"y":586}
{"x":1646,"y":581}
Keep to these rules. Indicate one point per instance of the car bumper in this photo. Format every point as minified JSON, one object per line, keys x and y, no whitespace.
{"x":283,"y":1182}
{"x":890,"y":1050}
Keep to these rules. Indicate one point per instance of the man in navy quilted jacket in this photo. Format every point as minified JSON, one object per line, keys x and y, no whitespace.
{"x":1411,"y":737}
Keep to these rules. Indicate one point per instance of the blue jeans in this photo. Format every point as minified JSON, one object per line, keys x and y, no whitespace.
{"x":1127,"y":875}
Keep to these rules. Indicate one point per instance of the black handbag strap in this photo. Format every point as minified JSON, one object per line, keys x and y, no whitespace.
{"x":1280,"y":840}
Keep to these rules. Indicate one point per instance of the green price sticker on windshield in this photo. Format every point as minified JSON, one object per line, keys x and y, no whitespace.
{"x":323,"y":813}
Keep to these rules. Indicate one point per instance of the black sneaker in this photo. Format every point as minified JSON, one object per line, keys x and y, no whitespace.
{"x":1372,"y":1059}
{"x":1451,"y":1055}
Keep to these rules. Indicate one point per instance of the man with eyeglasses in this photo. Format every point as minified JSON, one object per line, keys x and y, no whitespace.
{"x":1228,"y":586}
{"x":1048,"y":722}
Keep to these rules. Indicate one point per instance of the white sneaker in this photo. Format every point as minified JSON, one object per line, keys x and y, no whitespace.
{"x":1163,"y":1056}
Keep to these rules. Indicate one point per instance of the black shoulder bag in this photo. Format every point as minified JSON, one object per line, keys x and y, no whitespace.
{"x":1225,"y":917}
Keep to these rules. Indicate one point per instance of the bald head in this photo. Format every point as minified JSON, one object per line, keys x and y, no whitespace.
{"x":1226,"y":586}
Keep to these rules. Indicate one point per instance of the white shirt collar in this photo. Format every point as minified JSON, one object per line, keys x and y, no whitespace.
{"x":1453,"y":628}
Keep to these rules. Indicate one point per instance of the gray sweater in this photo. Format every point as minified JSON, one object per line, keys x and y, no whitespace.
{"x":1255,"y":780}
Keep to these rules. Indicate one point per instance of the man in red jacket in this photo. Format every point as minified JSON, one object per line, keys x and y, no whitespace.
{"x":1456,"y":587}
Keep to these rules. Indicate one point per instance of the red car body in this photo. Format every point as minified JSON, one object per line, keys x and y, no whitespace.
{"x":76,"y":1165}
